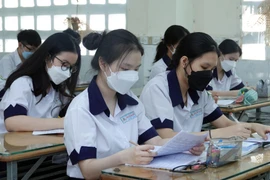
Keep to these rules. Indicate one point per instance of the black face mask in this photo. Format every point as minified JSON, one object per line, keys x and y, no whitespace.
{"x":199,"y":80}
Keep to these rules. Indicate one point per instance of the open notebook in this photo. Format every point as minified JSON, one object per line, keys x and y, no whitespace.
{"x":53,"y":131}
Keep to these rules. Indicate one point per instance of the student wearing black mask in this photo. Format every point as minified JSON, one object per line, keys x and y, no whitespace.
{"x":176,"y":100}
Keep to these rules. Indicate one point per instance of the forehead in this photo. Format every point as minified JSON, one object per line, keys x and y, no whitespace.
{"x":70,"y":57}
{"x":235,"y":55}
{"x":210,"y":59}
{"x":132,"y":59}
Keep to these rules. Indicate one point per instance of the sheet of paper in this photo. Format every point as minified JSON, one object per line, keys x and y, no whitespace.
{"x":258,"y":139}
{"x":224,"y":102}
{"x":249,"y":147}
{"x":183,"y":141}
{"x":171,"y":161}
{"x":53,"y":131}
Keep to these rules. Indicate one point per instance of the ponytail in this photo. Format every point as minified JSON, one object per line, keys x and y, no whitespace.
{"x":161,"y":50}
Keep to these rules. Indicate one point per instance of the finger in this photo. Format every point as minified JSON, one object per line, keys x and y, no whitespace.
{"x":199,"y":148}
{"x":145,"y":160}
{"x":262,"y":134}
{"x":146,"y":154}
{"x":145,"y":147}
{"x":195,"y":152}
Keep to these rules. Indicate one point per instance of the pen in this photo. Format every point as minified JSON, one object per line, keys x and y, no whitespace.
{"x":233,"y":117}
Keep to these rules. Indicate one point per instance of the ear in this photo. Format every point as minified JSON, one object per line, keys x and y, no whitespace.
{"x":102,"y":64}
{"x":184,"y":61}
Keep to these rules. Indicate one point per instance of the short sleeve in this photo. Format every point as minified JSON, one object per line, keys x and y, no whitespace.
{"x":16,"y":99}
{"x":236,"y":82}
{"x":80,"y":135}
{"x":6,"y":68}
{"x":146,"y":130}
{"x":158,"y":107}
{"x":211,"y":109}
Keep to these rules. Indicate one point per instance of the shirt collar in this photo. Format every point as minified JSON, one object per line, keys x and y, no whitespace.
{"x":175,"y":91}
{"x":17,"y":58}
{"x":166,"y":59}
{"x":215,"y":74}
{"x":97,"y":104}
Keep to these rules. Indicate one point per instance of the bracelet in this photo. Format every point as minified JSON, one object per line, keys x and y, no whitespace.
{"x":210,"y":133}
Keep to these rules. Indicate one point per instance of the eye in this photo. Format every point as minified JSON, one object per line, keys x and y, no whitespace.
{"x":124,"y":69}
{"x":204,"y":68}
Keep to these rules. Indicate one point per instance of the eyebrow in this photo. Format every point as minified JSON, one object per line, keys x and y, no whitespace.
{"x":129,"y":66}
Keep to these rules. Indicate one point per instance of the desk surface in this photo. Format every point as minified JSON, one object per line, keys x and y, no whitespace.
{"x":249,"y":166}
{"x":21,"y":145}
{"x":261,"y":102}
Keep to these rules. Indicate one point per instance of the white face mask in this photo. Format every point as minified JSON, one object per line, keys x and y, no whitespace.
{"x":228,"y":65}
{"x":172,"y":51}
{"x":57,"y":75}
{"x":122,"y":81}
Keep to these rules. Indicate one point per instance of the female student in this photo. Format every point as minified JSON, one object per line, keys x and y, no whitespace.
{"x":225,"y":82}
{"x":102,"y":120}
{"x":177,"y":100}
{"x":166,"y":49}
{"x":41,"y":86}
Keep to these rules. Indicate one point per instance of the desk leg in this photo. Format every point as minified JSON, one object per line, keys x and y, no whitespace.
{"x":12,"y":170}
{"x":34,"y":168}
{"x":240,"y":116}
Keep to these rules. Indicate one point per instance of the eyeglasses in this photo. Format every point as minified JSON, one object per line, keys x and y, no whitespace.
{"x":190,"y":168}
{"x":66,"y":65}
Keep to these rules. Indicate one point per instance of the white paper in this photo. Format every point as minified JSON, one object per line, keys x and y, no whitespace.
{"x":248,"y":147}
{"x":225,"y":102}
{"x":53,"y":131}
{"x":171,"y":161}
{"x":183,"y":141}
{"x":258,"y":139}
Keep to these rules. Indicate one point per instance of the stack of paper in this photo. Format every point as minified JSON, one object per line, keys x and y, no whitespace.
{"x":54,"y":131}
{"x":249,"y":147}
{"x":171,"y":154}
{"x":224,"y":103}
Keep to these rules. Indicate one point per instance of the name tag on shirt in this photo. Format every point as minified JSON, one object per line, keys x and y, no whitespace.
{"x":128,"y":117}
{"x":196,"y":113}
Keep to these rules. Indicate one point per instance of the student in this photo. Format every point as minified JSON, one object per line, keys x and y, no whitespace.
{"x":177,"y":100}
{"x":28,"y":41}
{"x":225,"y":82}
{"x":41,"y":86}
{"x":73,"y":34}
{"x":166,"y":49}
{"x":102,"y":120}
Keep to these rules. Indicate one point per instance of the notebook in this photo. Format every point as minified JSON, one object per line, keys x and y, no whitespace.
{"x":224,"y":102}
{"x":53,"y":131}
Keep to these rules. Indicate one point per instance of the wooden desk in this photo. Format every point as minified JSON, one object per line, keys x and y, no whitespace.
{"x":21,"y":146}
{"x":250,"y":166}
{"x":261,"y":102}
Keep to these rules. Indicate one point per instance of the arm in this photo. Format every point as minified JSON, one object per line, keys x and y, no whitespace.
{"x":224,"y":93}
{"x":26,"y":123}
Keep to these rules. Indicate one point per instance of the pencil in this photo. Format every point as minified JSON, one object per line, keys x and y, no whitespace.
{"x":234,"y":118}
{"x":133,"y":143}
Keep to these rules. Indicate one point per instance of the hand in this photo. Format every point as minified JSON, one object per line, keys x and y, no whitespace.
{"x":261,"y":129}
{"x":197,"y":150}
{"x":138,"y":155}
{"x":214,"y":96}
{"x":241,"y":129}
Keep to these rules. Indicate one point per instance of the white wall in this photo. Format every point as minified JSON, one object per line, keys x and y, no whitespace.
{"x":219,"y":18}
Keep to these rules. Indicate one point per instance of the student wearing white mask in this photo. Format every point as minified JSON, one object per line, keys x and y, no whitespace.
{"x":41,"y":86}
{"x":28,"y":41}
{"x":102,"y":120}
{"x":166,"y":49}
{"x":225,"y":82}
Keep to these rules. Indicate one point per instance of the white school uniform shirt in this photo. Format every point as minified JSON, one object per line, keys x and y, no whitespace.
{"x":160,"y":66}
{"x":230,"y":81}
{"x":92,"y":133}
{"x":20,"y":100}
{"x":8,"y":64}
{"x":165,"y":108}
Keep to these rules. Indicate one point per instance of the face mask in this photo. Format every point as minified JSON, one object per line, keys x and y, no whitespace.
{"x":172,"y":51}
{"x":26,"y":54}
{"x":122,"y":81}
{"x":199,"y":80}
{"x":228,"y":65}
{"x":57,"y":75}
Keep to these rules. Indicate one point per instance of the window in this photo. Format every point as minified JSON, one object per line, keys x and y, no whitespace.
{"x":50,"y":16}
{"x":254,"y":28}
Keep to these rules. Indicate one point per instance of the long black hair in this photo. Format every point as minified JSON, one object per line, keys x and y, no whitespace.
{"x":36,"y":66}
{"x":193,"y":46}
{"x":172,"y":36}
{"x":111,"y":46}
